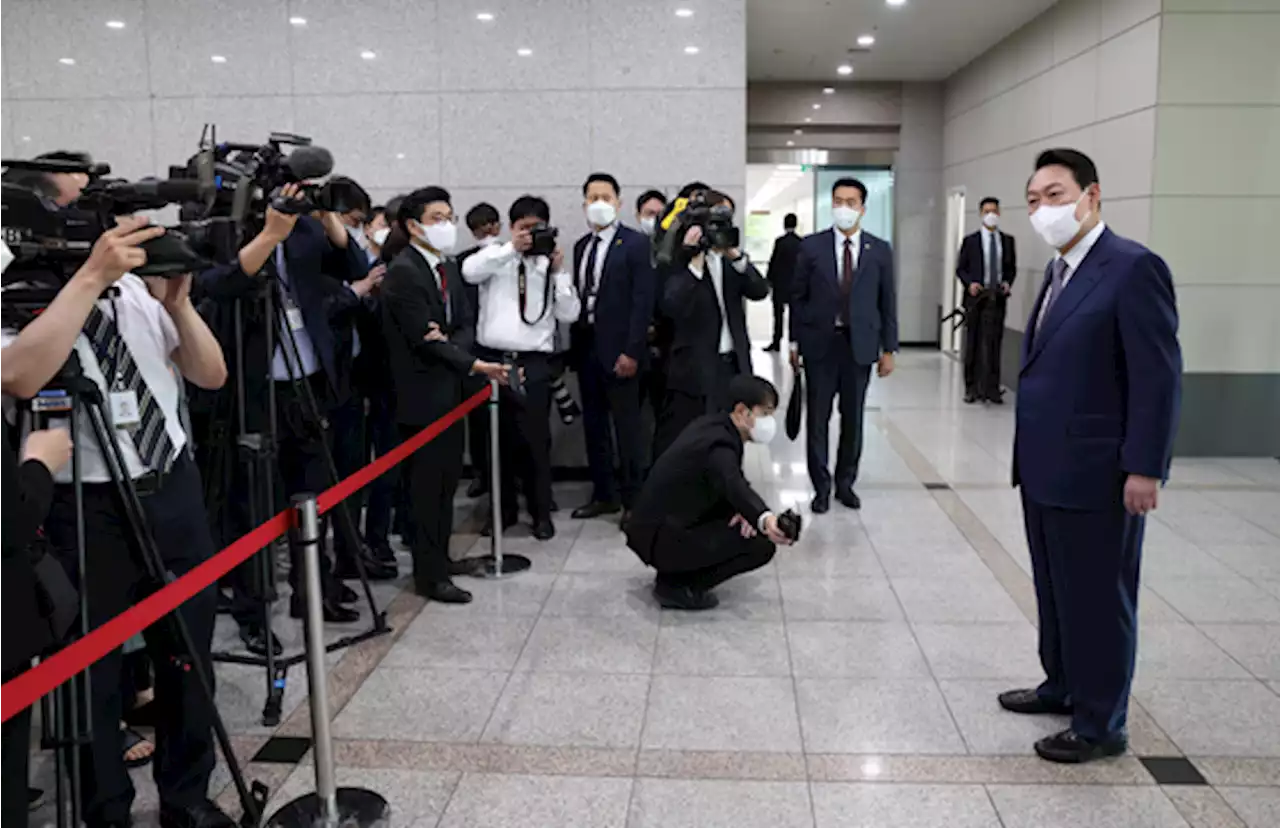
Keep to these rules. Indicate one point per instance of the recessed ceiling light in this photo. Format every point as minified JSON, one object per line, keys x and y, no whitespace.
{"x":791,"y":143}
{"x":400,"y":155}
{"x":485,"y":17}
{"x":896,"y":2}
{"x":67,"y":61}
{"x":844,"y":69}
{"x":217,"y":59}
{"x":866,"y":40}
{"x":828,"y":90}
{"x":368,"y":55}
{"x":799,"y":132}
{"x":297,"y":21}
{"x":808,"y":120}
{"x":684,"y":12}
{"x":524,"y":52}
{"x":691,"y":50}
{"x":817,"y":106}
{"x":26,"y":138}
{"x":115,"y":24}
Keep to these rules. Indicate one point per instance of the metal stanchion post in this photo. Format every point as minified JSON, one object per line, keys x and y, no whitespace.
{"x":330,"y":806}
{"x":496,"y":564}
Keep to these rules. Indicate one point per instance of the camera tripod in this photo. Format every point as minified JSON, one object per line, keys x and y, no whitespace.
{"x":257,"y":455}
{"x":67,"y":723}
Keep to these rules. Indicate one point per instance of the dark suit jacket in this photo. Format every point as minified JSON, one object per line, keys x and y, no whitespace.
{"x":970,"y":267}
{"x":699,"y":479}
{"x":624,"y":300}
{"x":429,"y":377}
{"x":694,"y":311}
{"x":1101,"y":380}
{"x":873,"y":301}
{"x":782,"y":264}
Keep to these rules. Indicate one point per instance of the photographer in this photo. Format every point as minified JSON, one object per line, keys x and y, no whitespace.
{"x":705,"y":284}
{"x":524,"y":292}
{"x":697,"y":520}
{"x":127,"y":343}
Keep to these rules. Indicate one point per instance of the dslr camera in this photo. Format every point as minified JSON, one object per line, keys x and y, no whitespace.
{"x":544,"y":239}
{"x":789,"y":524}
{"x":716,"y":221}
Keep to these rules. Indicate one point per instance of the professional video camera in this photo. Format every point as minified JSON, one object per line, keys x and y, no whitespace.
{"x":544,"y":239}
{"x":716,"y":221}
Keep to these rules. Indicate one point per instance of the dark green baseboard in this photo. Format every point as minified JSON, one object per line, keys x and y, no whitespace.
{"x":1223,"y":415}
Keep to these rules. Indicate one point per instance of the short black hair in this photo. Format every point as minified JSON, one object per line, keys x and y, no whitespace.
{"x":715,"y":197}
{"x":412,"y":205}
{"x":989,"y":200}
{"x":1083,"y":170}
{"x":692,"y":187}
{"x":851,"y":182}
{"x":375,"y":211}
{"x":482,"y":214}
{"x":529,"y":205}
{"x":650,"y":195}
{"x":606,"y":178}
{"x":789,"y":221}
{"x":752,"y":391}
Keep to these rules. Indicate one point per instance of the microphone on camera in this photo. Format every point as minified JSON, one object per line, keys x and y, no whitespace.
{"x":307,"y":163}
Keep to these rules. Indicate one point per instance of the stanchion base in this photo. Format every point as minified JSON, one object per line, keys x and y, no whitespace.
{"x":356,"y":806}
{"x":511,"y":565}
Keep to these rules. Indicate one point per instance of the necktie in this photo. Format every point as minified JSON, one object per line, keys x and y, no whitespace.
{"x":846,"y":281}
{"x":993,"y":261}
{"x":589,"y":282}
{"x":444,"y":291}
{"x":1056,"y":286}
{"x":150,"y":437}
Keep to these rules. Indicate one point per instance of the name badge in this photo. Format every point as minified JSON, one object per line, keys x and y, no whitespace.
{"x":293,"y":316}
{"x":124,"y":409}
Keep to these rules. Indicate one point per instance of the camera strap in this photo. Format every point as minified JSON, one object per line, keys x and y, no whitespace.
{"x":522,"y":281}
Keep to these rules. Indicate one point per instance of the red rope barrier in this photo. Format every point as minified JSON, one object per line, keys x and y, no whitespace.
{"x":20,"y":693}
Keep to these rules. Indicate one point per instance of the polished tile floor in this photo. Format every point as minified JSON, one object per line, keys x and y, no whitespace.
{"x":851,"y":682}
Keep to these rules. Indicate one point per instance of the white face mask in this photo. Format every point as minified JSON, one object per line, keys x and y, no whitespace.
{"x":765,"y":429}
{"x":991,"y":220}
{"x":846,"y":218}
{"x":1057,"y":223}
{"x":648,"y":224}
{"x":441,"y":236}
{"x":357,"y":233}
{"x":380,"y":235}
{"x":601,"y":213}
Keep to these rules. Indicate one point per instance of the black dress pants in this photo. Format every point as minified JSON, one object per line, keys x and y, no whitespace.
{"x":433,"y":472}
{"x":348,"y":444}
{"x":380,"y":438}
{"x":680,"y":408}
{"x":478,"y":437}
{"x":983,"y":334}
{"x":835,"y":374}
{"x":611,"y":413}
{"x":707,"y":555}
{"x":524,"y":439}
{"x":779,"y":312}
{"x":15,"y":755}
{"x":114,"y":581}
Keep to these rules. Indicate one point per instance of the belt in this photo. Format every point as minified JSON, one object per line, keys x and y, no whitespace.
{"x":150,"y":483}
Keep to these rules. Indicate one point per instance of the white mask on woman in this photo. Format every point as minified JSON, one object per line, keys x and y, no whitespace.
{"x":380,"y":235}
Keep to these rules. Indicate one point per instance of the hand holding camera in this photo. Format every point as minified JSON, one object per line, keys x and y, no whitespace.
{"x":279,"y":224}
{"x":522,"y":240}
{"x":557,"y":260}
{"x":118,"y":251}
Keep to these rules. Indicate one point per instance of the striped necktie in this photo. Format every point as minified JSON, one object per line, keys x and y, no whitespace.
{"x":120,"y":372}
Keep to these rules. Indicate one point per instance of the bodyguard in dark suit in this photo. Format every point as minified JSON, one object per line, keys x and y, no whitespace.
{"x":987,"y":266}
{"x":697,"y":520}
{"x":844,"y":319}
{"x":782,"y":265}
{"x":704,"y":293}
{"x":1098,"y":399}
{"x":427,"y":325}
{"x":614,"y":275}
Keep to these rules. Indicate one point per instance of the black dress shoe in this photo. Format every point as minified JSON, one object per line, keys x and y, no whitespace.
{"x":374,"y":570}
{"x":849,"y":498}
{"x":544,"y":529}
{"x":821,"y":504}
{"x":1030,"y":702}
{"x":684,"y":598}
{"x":477,"y":489}
{"x":996,"y":400}
{"x":382,"y":552}
{"x":970,"y":397}
{"x":467,"y":566}
{"x":204,"y":815}
{"x":334,"y":613}
{"x":595,"y":509}
{"x":347,"y":595}
{"x":1070,"y":748}
{"x":773,"y":348}
{"x":446,"y":592}
{"x":255,"y":640}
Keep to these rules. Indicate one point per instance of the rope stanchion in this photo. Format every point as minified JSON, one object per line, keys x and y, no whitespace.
{"x":497,"y":564}
{"x":330,"y":806}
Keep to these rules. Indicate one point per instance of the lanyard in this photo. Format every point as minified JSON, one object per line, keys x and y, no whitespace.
{"x":522,"y":281}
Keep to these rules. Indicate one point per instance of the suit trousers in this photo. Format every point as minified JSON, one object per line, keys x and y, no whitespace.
{"x":983,"y":334}
{"x":115,"y":581}
{"x":680,"y":408}
{"x":705,"y":556}
{"x":15,"y":756}
{"x":1086,"y":567}
{"x":524,"y":440}
{"x":380,"y":438}
{"x":611,"y":413}
{"x":347,"y":439}
{"x":300,"y":449}
{"x":779,"y":312}
{"x":433,"y":472}
{"x":835,"y":374}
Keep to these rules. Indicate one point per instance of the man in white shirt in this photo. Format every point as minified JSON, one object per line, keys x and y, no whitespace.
{"x":128,"y":335}
{"x":986,"y":266}
{"x":523,"y":295}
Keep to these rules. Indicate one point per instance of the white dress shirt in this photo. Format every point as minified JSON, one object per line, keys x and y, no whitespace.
{"x":589,"y":287}
{"x":496,"y":270}
{"x":1073,"y":258}
{"x":715,"y":266}
{"x":856,"y":238}
{"x":305,"y":362}
{"x":149,"y":334}
{"x":987,"y":233}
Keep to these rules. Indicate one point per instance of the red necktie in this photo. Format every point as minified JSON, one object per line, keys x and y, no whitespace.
{"x":444,"y":290}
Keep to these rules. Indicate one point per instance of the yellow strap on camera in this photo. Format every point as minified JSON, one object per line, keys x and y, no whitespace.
{"x":680,"y":204}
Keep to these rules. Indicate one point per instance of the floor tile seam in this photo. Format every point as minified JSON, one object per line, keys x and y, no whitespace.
{"x":795,"y":697}
{"x":648,"y":696}
{"x":511,"y":673}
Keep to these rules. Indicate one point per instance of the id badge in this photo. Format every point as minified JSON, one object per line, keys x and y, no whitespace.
{"x":293,"y":316}
{"x":124,"y":409}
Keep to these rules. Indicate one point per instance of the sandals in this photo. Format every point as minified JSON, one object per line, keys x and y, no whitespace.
{"x":136,"y":748}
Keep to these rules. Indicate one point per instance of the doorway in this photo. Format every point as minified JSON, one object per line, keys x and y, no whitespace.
{"x":951,"y":336}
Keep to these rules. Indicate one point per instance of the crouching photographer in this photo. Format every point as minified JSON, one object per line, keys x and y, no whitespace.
{"x":697,"y":520}
{"x":113,"y":338}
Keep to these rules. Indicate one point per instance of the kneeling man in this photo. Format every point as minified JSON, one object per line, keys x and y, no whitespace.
{"x":697,"y":520}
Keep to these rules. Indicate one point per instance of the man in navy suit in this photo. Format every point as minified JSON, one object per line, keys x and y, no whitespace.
{"x":844,"y":319}
{"x":614,"y":275}
{"x":986,"y":266}
{"x":1097,"y":409}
